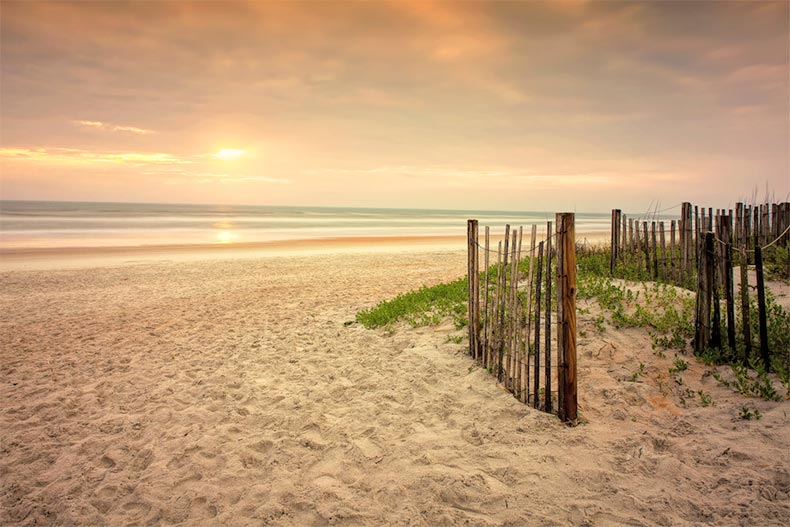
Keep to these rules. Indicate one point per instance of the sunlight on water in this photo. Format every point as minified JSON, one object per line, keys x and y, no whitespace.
{"x":226,"y":236}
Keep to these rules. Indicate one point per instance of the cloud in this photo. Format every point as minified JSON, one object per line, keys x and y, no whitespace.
{"x":76,"y":156}
{"x":114,"y":128}
{"x":422,"y":93}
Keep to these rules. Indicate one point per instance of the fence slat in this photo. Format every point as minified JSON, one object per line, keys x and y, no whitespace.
{"x":646,"y":247}
{"x":503,"y":302}
{"x":495,"y":328}
{"x":762,"y":316}
{"x":729,"y":293}
{"x":484,"y":354}
{"x":747,"y":331}
{"x":536,"y":348}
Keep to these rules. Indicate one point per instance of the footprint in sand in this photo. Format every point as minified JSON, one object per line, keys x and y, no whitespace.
{"x":262,"y":446}
{"x":368,"y":448}
{"x":106,"y":462}
{"x":136,"y":508}
{"x":107,"y":492}
{"x":202,"y":508}
{"x":196,"y":476}
{"x":333,"y":486}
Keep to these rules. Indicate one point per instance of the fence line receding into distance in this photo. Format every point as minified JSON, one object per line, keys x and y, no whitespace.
{"x":701,"y":258}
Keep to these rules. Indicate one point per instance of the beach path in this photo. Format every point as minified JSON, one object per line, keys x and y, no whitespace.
{"x":233,"y":393}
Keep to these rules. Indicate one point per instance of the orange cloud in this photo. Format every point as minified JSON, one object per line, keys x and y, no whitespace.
{"x":114,"y":128}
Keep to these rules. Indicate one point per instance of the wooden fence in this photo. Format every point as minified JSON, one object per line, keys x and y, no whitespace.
{"x":516,"y":299}
{"x":701,"y":257}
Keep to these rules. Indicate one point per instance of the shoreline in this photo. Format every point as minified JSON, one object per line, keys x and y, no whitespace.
{"x":13,"y":259}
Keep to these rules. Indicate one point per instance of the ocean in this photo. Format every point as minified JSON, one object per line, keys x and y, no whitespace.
{"x":47,"y":224}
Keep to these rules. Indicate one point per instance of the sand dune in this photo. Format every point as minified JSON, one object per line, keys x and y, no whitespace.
{"x":230,"y":392}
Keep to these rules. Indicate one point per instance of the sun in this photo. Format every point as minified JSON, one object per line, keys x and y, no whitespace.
{"x":226,"y":237}
{"x":227,"y":154}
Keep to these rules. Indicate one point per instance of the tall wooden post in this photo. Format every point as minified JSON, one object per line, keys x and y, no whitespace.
{"x":470,"y":286}
{"x":559,"y":278}
{"x":567,"y":328}
{"x":476,"y":289}
{"x":547,"y":346}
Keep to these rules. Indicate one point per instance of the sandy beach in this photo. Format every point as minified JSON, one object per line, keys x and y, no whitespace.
{"x":233,"y":392}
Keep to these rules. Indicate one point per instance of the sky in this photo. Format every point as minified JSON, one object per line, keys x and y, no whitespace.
{"x":504,"y":105}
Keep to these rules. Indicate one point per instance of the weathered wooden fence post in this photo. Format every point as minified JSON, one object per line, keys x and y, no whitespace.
{"x":476,"y":288}
{"x":695,"y":241}
{"x":686,"y":241}
{"x":566,"y":290}
{"x":729,"y":294}
{"x":484,"y":357}
{"x":715,"y":332}
{"x":615,"y":243}
{"x":560,"y":358}
{"x":663,"y":244}
{"x":654,"y":247}
{"x":536,"y":349}
{"x":704,"y":283}
{"x":646,"y":247}
{"x":672,"y":252}
{"x":549,"y":278}
{"x":495,"y":330}
{"x":503,"y":307}
{"x":623,"y":238}
{"x":513,"y":298}
{"x":470,"y":285}
{"x":747,"y":330}
{"x":758,"y":262}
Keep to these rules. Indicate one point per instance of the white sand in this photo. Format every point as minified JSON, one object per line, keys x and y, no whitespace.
{"x":231,"y":393}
